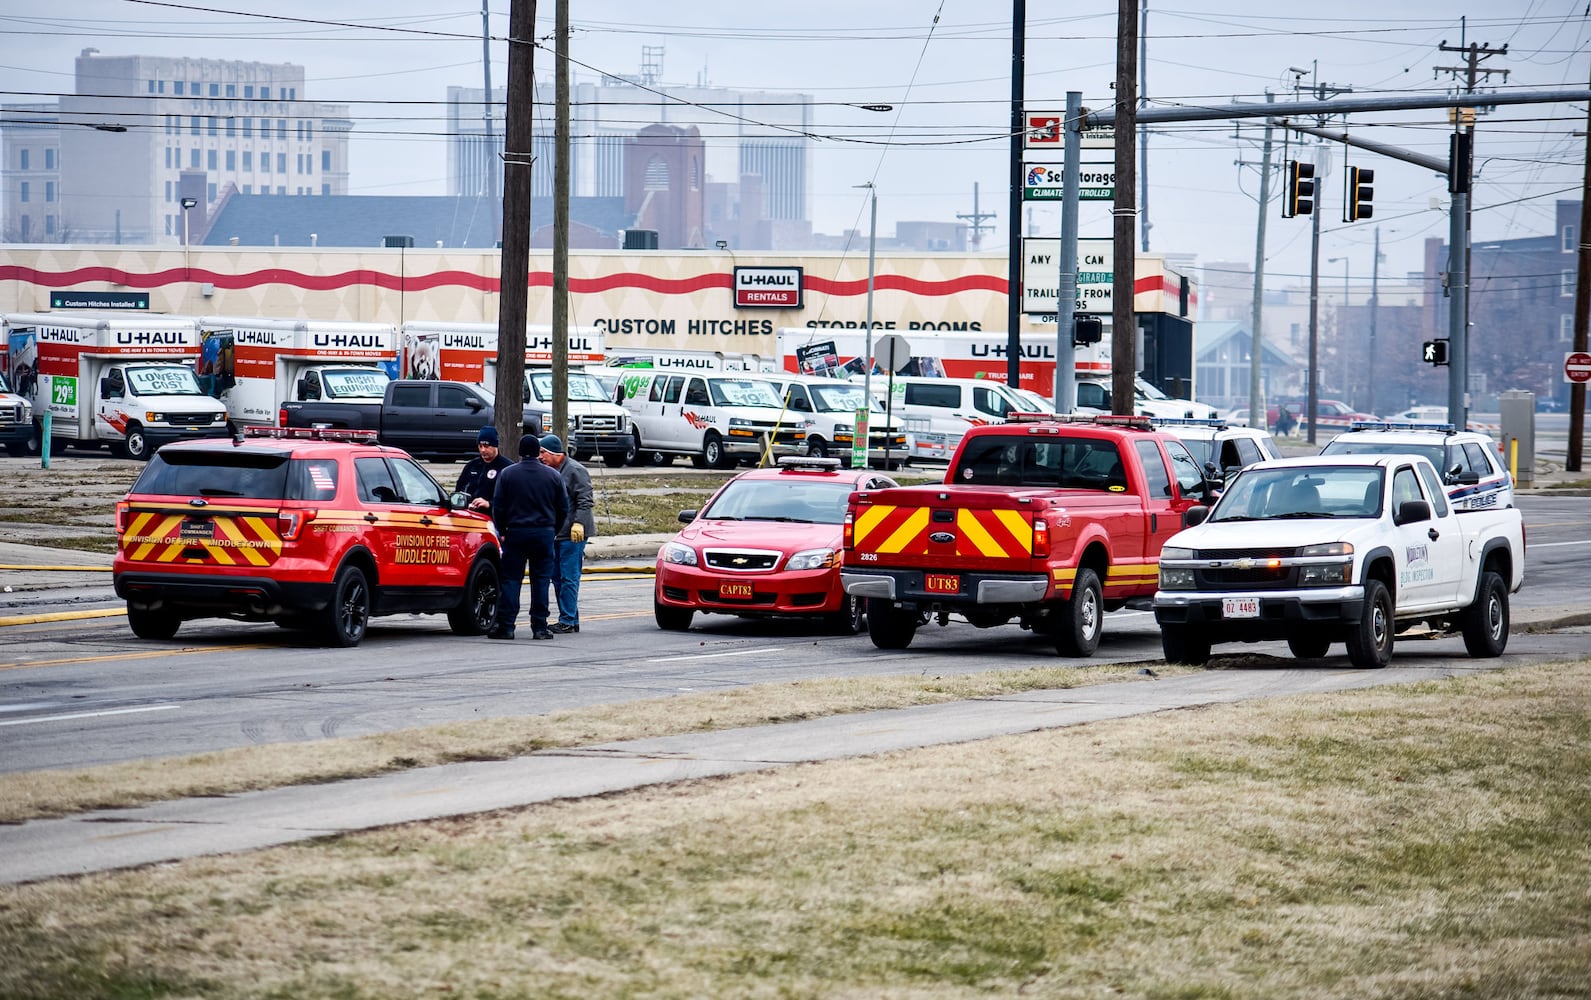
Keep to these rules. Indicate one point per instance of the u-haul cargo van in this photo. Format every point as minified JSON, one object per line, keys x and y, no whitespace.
{"x":254,"y":364}
{"x":125,"y":381}
{"x":467,"y":352}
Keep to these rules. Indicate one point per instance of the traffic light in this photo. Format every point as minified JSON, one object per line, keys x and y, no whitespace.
{"x":1299,"y":198}
{"x":1435,"y":352}
{"x":1087,"y":330}
{"x":1356,"y":204}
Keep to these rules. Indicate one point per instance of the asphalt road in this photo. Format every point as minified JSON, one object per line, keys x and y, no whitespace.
{"x":83,"y":692}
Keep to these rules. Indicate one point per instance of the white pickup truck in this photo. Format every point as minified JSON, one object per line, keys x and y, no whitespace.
{"x":1351,"y":549}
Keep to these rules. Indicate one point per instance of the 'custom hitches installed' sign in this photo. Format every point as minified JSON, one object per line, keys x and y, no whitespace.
{"x":767,"y":288}
{"x":99,"y":300}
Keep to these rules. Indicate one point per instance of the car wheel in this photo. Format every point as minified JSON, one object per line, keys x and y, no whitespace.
{"x":345,"y":619}
{"x":1370,"y":640}
{"x":137,"y":444}
{"x":890,"y":627}
{"x":714,"y":456}
{"x":1485,"y":622}
{"x":851,"y":618}
{"x":17,"y":449}
{"x":620,"y":459}
{"x":477,"y":609}
{"x":152,"y":624}
{"x":671,"y":619}
{"x":817,"y":448}
{"x":1079,"y":621}
{"x":1309,"y":646}
{"x":1185,"y":644}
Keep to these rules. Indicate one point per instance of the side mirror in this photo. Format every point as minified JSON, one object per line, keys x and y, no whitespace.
{"x":619,"y":393}
{"x":1469,"y":478}
{"x":458,"y":501}
{"x":104,"y":388}
{"x":1412,"y":511}
{"x":687,"y":516}
{"x":307,"y":391}
{"x":1195,"y":515}
{"x":475,"y":405}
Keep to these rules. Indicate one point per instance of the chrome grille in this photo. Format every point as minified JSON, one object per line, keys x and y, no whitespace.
{"x":741,"y":560}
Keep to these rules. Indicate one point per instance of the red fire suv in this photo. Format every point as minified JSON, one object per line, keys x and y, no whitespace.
{"x":310,"y":529}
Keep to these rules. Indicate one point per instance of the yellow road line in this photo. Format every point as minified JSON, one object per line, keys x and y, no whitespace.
{"x":150,"y":654}
{"x":62,"y":616}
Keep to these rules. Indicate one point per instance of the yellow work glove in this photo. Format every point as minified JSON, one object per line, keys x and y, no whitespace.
{"x":577,"y":532}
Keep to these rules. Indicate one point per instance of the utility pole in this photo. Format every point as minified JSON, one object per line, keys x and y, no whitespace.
{"x":1322,"y":92}
{"x":1143,"y":130}
{"x":514,"y":269}
{"x":1256,"y":399}
{"x":489,"y":159}
{"x":1582,"y":313}
{"x":1123,"y":351}
{"x":976,"y":218}
{"x":560,"y":231}
{"x":1013,"y":296}
{"x":1375,"y":301}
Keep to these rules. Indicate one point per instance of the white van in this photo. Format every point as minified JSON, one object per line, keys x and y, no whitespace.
{"x":714,"y":418}
{"x":938,"y":411}
{"x":829,"y":405}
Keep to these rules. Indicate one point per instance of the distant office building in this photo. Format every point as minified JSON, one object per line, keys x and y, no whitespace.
{"x":115,"y":161}
{"x":744,"y":134}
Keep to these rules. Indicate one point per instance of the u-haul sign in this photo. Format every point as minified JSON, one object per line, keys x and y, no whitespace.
{"x":767,"y":287}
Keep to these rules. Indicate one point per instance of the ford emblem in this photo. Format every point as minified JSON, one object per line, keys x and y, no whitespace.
{"x":941,"y":536}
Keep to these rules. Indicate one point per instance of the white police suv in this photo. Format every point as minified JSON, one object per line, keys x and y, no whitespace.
{"x":1469,"y":461}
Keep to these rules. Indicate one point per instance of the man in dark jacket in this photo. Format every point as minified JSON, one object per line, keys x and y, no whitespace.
{"x":569,"y":553}
{"x":479,"y":478}
{"x":529,"y":506}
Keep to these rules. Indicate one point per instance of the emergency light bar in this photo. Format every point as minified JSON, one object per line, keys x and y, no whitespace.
{"x":1215,"y":423}
{"x":808,"y":463}
{"x":313,"y":434}
{"x":1103,"y":420}
{"x":1399,"y":425}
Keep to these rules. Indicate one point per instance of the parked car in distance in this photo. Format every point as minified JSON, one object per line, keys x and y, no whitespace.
{"x":1221,"y":450}
{"x":1469,"y":462}
{"x":767,"y":544}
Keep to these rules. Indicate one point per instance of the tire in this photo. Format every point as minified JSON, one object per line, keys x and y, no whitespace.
{"x":1185,"y":644}
{"x":617,"y":461}
{"x":1079,"y":622}
{"x":890,"y":627}
{"x":137,"y":443}
{"x":714,"y":455}
{"x":1309,"y":646}
{"x":850,"y":619}
{"x":17,"y":449}
{"x":345,"y":619}
{"x":817,"y":448}
{"x":477,"y":609}
{"x":1485,"y":622}
{"x":1370,"y":640}
{"x":149,"y":624}
{"x":671,"y":619}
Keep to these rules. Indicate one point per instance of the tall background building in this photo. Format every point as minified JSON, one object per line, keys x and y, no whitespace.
{"x":113,"y":162}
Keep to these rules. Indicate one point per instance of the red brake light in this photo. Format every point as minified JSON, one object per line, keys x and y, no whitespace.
{"x":289,"y":523}
{"x":1041,"y":538}
{"x":846,"y":535}
{"x":123,"y":516}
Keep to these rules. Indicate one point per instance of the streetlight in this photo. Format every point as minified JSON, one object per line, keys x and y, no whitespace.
{"x":867,"y":360}
{"x":187,"y":204}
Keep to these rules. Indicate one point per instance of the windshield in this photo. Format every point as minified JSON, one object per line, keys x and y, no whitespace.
{"x":742,"y":392}
{"x":582,"y":387}
{"x":1147,"y":391}
{"x":1345,"y":445}
{"x":163,"y":380}
{"x":1029,"y":402}
{"x":780,"y":500}
{"x":343,"y":383}
{"x":838,"y":398}
{"x":1315,"y":491}
{"x":4,"y":386}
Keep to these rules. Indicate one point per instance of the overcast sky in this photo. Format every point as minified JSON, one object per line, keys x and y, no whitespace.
{"x":944,"y":67}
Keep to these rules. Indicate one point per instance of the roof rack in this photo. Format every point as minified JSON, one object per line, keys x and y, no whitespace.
{"x":1400,"y":425}
{"x":313,"y":434}
{"x":808,"y":463}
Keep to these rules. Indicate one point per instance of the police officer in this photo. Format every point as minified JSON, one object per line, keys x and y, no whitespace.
{"x":479,"y":478}
{"x":570,"y":548}
{"x":529,"y":506}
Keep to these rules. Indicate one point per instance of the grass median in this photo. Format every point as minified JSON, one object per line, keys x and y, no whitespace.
{"x":1414,"y":841}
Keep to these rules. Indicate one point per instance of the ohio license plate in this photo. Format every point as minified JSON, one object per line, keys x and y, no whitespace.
{"x":727,"y":589}
{"x":942,"y":583}
{"x":1240,"y":607}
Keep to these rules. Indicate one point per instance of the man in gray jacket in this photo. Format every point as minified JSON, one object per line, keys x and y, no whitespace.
{"x":570,"y":546}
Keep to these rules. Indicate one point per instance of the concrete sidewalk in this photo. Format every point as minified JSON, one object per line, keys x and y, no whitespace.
{"x":170,"y":831}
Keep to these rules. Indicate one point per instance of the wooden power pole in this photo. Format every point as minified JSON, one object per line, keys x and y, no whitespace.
{"x":514,"y":269}
{"x":560,"y":234}
{"x":1123,"y":354}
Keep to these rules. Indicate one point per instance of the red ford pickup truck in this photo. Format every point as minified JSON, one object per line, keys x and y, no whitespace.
{"x":1047,"y":521}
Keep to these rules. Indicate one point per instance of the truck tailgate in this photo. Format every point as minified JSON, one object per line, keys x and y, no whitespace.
{"x":944,"y":527}
{"x":242,"y":536}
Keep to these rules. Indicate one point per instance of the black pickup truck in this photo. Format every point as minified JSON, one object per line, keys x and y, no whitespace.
{"x":421,"y":416}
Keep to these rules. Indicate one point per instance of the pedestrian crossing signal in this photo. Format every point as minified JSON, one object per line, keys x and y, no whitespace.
{"x":1435,"y":352}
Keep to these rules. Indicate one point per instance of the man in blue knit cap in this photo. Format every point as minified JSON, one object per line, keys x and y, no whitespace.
{"x":529,"y":506}
{"x":479,"y":478}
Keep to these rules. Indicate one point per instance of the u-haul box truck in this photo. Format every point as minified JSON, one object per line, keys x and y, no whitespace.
{"x":254,"y":364}
{"x":126,"y":381}
{"x":467,"y":352}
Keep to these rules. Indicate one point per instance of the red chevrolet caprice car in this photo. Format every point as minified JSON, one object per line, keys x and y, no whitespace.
{"x":767,"y":544}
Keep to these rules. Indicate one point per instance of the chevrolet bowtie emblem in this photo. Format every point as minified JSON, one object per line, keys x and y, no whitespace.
{"x":739,"y":560}
{"x":1245,"y":564}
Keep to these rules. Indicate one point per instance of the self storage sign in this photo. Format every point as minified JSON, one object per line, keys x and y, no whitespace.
{"x":767,"y":288}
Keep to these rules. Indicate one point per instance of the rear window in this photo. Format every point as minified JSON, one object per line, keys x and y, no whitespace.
{"x":241,"y":474}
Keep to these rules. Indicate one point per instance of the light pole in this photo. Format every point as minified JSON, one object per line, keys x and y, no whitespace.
{"x":1342,"y":321}
{"x":187,"y":205}
{"x":866,"y":433}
